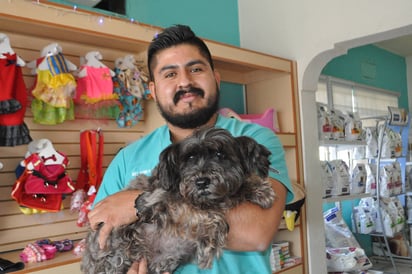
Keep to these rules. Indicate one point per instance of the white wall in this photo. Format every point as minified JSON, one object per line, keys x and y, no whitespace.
{"x":312,"y":33}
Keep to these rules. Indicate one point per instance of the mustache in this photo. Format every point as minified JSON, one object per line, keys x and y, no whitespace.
{"x":181,"y":92}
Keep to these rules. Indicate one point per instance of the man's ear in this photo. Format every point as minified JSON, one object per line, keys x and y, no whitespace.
{"x":217,"y":77}
{"x":152,"y":88}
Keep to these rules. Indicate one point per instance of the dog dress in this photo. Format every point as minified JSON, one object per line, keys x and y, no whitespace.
{"x":13,"y":101}
{"x":132,"y":90}
{"x":94,"y":94}
{"x":53,"y":92}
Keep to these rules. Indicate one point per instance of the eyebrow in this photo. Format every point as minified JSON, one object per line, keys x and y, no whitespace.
{"x":189,"y":64}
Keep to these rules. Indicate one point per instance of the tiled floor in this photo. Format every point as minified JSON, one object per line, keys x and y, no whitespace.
{"x":403,"y":267}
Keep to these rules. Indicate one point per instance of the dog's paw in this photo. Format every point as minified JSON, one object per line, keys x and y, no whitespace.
{"x":143,"y":210}
{"x":263,"y":195}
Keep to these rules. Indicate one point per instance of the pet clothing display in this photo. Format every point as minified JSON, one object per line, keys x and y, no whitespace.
{"x":43,"y":250}
{"x":34,"y":253}
{"x":13,"y":97}
{"x":44,"y":180}
{"x":95,"y":98}
{"x":130,"y":84}
{"x":54,"y":88}
{"x":90,"y":173}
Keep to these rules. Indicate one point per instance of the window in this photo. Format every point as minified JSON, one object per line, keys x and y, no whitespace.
{"x":349,"y":96}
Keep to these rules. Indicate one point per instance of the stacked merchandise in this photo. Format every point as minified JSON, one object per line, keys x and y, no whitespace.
{"x":343,"y":252}
{"x":338,"y":179}
{"x":338,"y":126}
{"x":281,"y":257}
{"x":366,"y":219}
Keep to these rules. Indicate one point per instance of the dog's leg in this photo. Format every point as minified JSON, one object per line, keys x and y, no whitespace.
{"x":259,"y":191}
{"x":211,"y":243}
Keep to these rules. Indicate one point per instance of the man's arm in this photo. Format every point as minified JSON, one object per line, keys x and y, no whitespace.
{"x":253,"y":228}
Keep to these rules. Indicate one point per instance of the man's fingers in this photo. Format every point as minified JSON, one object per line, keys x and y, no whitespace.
{"x":92,"y":216}
{"x":135,"y":269}
{"x":142,"y":267}
{"x":104,"y":233}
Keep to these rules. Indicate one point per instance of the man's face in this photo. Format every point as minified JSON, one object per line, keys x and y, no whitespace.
{"x":185,"y":87}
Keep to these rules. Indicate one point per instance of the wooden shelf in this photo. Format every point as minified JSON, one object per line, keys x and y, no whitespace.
{"x":269,"y":82}
{"x":346,"y":197}
{"x":60,"y":259}
{"x":295,"y":269}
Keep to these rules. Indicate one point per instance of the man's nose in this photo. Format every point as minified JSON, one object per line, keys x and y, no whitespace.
{"x":185,"y":80}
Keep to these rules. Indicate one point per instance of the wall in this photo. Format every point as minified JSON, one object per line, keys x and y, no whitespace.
{"x":313,"y":33}
{"x":214,"y":19}
{"x":223,"y":28}
{"x":197,"y":14}
{"x":372,"y":66}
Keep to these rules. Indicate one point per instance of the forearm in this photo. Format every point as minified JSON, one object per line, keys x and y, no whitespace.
{"x":253,"y":228}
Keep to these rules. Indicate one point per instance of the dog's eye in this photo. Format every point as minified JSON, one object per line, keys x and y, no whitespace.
{"x":190,"y":157}
{"x":220,"y":155}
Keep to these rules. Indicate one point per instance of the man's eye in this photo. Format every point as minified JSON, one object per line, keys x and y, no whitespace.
{"x":170,"y":75}
{"x":196,"y":70}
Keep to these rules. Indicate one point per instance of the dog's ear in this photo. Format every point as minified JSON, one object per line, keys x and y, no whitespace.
{"x":167,"y":169}
{"x":255,"y":156}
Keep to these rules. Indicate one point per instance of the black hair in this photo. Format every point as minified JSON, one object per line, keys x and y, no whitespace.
{"x":173,"y":36}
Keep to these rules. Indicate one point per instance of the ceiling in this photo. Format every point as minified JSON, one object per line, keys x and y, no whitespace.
{"x":401,"y":46}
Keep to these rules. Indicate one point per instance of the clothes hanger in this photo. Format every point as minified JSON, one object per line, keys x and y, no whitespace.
{"x":6,"y":48}
{"x":44,"y":148}
{"x":128,"y":62}
{"x":51,"y":50}
{"x":92,"y":59}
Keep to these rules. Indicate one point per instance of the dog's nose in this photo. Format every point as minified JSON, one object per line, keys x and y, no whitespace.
{"x":203,"y":182}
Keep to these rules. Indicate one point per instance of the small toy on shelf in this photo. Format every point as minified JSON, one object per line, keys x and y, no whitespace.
{"x":267,"y":119}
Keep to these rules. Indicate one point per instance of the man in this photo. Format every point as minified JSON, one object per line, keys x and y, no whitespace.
{"x":185,"y":86}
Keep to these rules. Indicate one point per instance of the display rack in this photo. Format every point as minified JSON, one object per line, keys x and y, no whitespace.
{"x":398,"y":121}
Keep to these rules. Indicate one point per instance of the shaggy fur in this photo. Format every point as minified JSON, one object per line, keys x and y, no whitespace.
{"x":182,"y":209}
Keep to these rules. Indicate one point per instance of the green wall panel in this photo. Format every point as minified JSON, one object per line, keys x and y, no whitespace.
{"x":373,"y":66}
{"x":212,"y":19}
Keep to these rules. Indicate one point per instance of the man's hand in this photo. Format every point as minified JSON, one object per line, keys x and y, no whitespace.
{"x":140,"y":268}
{"x":114,"y":211}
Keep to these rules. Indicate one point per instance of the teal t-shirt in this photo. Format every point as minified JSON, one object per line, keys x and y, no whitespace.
{"x":143,"y":155}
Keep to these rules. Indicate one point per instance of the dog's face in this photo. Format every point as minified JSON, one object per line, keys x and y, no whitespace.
{"x":210,"y":166}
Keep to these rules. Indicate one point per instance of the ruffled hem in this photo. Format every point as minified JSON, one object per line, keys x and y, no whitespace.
{"x":14,"y":135}
{"x":9,"y":106}
{"x":99,"y":111}
{"x":84,"y":99}
{"x":46,"y":114}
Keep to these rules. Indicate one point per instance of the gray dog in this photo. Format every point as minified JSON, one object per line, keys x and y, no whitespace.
{"x":182,"y":209}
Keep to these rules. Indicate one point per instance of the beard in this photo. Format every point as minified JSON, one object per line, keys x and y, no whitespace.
{"x":197,"y":117}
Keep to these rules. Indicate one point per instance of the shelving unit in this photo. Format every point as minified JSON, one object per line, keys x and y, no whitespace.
{"x":388,"y":122}
{"x":269,"y":81}
{"x":400,"y":126}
